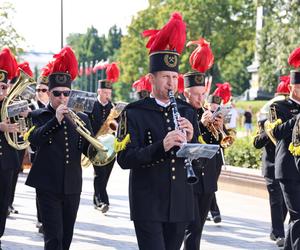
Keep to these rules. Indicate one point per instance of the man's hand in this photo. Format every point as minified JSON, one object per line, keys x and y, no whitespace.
{"x":186,"y":125}
{"x":206,"y":117}
{"x":219,"y":122}
{"x":174,"y":138}
{"x":26,"y":112}
{"x":60,"y":112}
{"x":9,"y":127}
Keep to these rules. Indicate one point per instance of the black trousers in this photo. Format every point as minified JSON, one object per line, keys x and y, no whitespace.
{"x":5,"y":191}
{"x":277,"y":207}
{"x":194,"y":230}
{"x":101,"y":177}
{"x":291,"y":194}
{"x":58,"y":214}
{"x":214,"y":208}
{"x":159,"y":235}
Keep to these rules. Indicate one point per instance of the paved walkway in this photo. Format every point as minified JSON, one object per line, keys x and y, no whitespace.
{"x":245,"y":222}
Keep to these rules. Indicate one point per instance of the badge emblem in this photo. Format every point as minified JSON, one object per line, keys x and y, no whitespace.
{"x":199,"y":79}
{"x":170,"y":60}
{"x":61,"y":79}
{"x":2,"y":76}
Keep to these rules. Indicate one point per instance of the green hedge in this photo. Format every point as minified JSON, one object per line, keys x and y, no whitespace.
{"x":243,"y":154}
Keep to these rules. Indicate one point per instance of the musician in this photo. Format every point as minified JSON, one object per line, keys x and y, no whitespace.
{"x":277,"y":205}
{"x":9,"y":160}
{"x":282,"y":117}
{"x":101,"y":110}
{"x":161,"y":202}
{"x":205,"y":169}
{"x":143,"y":87}
{"x":56,"y":172}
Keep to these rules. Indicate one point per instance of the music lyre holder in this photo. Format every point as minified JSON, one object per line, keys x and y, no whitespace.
{"x":193,"y":151}
{"x":81,"y":101}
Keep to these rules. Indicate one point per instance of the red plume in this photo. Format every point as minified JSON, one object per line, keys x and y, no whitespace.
{"x":142,"y":84}
{"x":8,"y":63}
{"x":202,"y":57}
{"x":47,"y":69}
{"x":180,"y":84}
{"x":224,"y":91}
{"x":65,"y":61}
{"x":26,"y":68}
{"x":172,"y":36}
{"x":283,"y":86}
{"x":112,"y":72}
{"x":294,"y":58}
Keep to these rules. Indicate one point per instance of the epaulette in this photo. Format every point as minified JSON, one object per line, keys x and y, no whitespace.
{"x":294,"y":146}
{"x":123,"y":137}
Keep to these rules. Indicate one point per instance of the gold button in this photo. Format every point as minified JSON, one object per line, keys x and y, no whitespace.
{"x":150,"y":141}
{"x":67,"y":150}
{"x":0,"y":146}
{"x":65,"y":132}
{"x":0,"y":153}
{"x":67,"y":162}
{"x":64,"y":122}
{"x":172,"y":152}
{"x":169,"y":128}
{"x":173,"y":169}
{"x":67,"y":144}
{"x":65,"y":127}
{"x":202,"y":174}
{"x":166,"y":114}
{"x":149,"y":133}
{"x":173,"y":177}
{"x":168,"y":120}
{"x":161,"y":160}
{"x":173,"y":160}
{"x":66,"y":138}
{"x":67,"y":156}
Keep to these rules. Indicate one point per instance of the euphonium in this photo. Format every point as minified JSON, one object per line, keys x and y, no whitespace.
{"x":105,"y":135}
{"x":15,"y":139}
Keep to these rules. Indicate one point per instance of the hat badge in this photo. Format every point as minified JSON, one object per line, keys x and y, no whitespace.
{"x":61,"y":79}
{"x":170,"y":60}
{"x":199,"y":79}
{"x":2,"y":76}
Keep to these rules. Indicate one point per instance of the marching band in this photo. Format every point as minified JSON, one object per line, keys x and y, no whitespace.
{"x":167,"y":209}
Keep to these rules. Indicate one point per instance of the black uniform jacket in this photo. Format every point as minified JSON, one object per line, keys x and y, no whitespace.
{"x":9,"y":158}
{"x":57,"y":164}
{"x":99,"y":115}
{"x":206,"y":169}
{"x":158,"y":188}
{"x":261,"y":140}
{"x":285,"y":167}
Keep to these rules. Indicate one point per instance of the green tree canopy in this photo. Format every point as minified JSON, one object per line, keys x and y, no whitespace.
{"x":227,"y":25}
{"x":278,"y":38}
{"x":8,"y":34}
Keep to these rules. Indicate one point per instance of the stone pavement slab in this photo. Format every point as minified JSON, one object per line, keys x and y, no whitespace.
{"x":245,"y":220}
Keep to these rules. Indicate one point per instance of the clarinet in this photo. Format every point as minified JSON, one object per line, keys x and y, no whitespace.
{"x":191,"y":177}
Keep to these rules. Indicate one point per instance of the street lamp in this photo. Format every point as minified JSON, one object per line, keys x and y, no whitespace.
{"x":61,"y":24}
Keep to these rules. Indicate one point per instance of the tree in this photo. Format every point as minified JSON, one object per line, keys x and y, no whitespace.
{"x":113,"y":42}
{"x":8,"y":34}
{"x":227,"y":25}
{"x":278,"y":38}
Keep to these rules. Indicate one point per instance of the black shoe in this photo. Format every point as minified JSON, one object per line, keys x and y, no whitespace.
{"x":217,"y":219}
{"x":273,"y":237}
{"x":208,"y":218}
{"x":41,"y":229}
{"x":104,"y":208}
{"x":12,"y":210}
{"x":99,"y":206}
{"x":280,"y":241}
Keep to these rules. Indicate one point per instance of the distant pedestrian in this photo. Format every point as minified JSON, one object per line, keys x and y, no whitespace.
{"x":248,"y":121}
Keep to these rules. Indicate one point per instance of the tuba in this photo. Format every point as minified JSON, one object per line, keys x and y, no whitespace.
{"x":106,"y":137}
{"x":15,"y":139}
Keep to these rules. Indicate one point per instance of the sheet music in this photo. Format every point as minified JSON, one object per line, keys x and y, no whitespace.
{"x":196,"y":150}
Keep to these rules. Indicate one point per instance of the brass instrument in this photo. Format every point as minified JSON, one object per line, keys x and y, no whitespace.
{"x":15,"y":139}
{"x":267,"y":125}
{"x":106,"y":137}
{"x":227,"y":140}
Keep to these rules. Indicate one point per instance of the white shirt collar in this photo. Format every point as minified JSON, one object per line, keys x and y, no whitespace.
{"x":160,"y":103}
{"x":103,"y":104}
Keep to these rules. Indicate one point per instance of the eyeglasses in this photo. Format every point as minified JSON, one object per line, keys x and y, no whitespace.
{"x":4,"y":87}
{"x":41,"y":90}
{"x":58,"y":93}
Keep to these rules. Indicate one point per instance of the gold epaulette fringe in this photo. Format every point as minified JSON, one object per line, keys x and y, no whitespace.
{"x":272,"y":125}
{"x":201,"y":140}
{"x":27,"y":134}
{"x":295,"y":150}
{"x":121,"y":145}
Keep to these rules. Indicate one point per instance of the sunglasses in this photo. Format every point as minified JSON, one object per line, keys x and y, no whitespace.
{"x":41,"y":90}
{"x":3,"y":87}
{"x":58,"y":93}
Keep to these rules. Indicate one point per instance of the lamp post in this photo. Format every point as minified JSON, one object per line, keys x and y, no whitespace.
{"x":61,"y":24}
